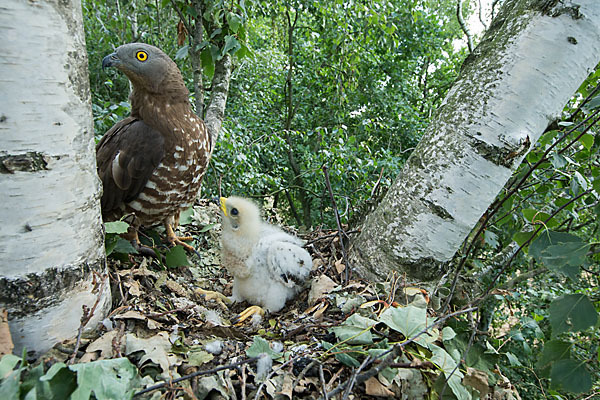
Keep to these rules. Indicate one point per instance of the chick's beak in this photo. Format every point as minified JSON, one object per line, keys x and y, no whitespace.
{"x":223,"y":208}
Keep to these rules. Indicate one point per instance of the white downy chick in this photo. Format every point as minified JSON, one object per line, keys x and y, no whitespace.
{"x":268,"y":265}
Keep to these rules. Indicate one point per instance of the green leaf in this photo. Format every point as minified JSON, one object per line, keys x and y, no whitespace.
{"x":554,"y":350}
{"x":197,"y":357}
{"x":7,"y":364}
{"x":538,"y":217}
{"x":59,"y":382}
{"x":185,"y":217}
{"x":491,"y":239}
{"x":558,"y":161}
{"x":259,"y":346}
{"x":587,"y":141}
{"x":522,"y":237}
{"x":560,"y":251}
{"x":513,"y":360}
{"x":176,"y":257}
{"x":9,"y":386}
{"x":234,"y":22}
{"x":231,"y":45}
{"x":123,"y":246}
{"x":572,"y":313}
{"x":571,"y":375}
{"x":343,"y":357}
{"x":207,"y":228}
{"x":408,"y":320}
{"x":30,"y":382}
{"x":447,"y":364}
{"x":448,"y":333}
{"x":592,"y":104}
{"x":182,"y":52}
{"x":116,"y":227}
{"x":106,"y":379}
{"x":208,"y":64}
{"x":581,"y":181}
{"x":110,"y":241}
{"x":355,"y":330}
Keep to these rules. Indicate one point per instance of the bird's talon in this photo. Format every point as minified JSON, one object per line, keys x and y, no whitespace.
{"x":220,"y":298}
{"x":247,"y":313}
{"x":177,"y":241}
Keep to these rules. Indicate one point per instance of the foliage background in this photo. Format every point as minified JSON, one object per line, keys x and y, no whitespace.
{"x":352,"y":85}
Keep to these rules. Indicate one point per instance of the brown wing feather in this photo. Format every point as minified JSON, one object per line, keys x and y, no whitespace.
{"x":127,"y":156}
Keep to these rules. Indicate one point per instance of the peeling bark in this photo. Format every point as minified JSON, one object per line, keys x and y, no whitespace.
{"x":530,"y":61}
{"x":52,"y":257}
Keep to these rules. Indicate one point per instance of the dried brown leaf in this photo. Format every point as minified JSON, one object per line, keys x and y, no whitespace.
{"x":339,"y":266}
{"x":374,"y":388}
{"x":477,"y":379}
{"x":320,"y":286}
{"x":6,"y":343}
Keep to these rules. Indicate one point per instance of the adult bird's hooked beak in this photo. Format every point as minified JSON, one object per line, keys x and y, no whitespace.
{"x":222,"y":200}
{"x":111,"y":60}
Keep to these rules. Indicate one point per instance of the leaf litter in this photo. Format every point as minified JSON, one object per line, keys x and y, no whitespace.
{"x":356,"y":340}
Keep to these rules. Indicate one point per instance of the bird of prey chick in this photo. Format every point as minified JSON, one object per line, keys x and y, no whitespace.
{"x":267,"y":264}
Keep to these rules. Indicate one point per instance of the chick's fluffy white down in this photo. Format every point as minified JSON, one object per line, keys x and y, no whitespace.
{"x":268,"y":265}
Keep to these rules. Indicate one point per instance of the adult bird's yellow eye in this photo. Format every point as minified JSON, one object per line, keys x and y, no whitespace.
{"x":141,"y":55}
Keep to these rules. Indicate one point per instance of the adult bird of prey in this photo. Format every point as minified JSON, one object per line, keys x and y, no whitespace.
{"x":151,"y":163}
{"x":267,"y":264}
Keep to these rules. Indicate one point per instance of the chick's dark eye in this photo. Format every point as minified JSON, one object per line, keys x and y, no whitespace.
{"x":234,"y":211}
{"x":141,"y":55}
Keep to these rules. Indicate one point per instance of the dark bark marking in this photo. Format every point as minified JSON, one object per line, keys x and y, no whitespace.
{"x":29,"y":162}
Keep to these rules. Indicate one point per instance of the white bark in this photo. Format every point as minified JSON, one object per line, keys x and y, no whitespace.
{"x":531,"y":60}
{"x":215,"y":112}
{"x":51,"y":238}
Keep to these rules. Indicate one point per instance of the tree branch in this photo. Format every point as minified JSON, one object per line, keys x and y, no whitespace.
{"x":215,"y":112}
{"x":463,"y":25}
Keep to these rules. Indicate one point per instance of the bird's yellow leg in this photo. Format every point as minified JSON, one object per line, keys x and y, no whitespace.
{"x":220,"y":298}
{"x":175,"y":240}
{"x":247,"y":313}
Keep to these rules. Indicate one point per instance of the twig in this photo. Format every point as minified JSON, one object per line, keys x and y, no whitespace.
{"x":463,"y":25}
{"x":423,"y":365}
{"x":353,"y":377}
{"x":176,"y":310}
{"x":376,"y":186}
{"x":494,"y":2}
{"x":181,"y":17}
{"x":391,"y":354}
{"x":197,"y":373}
{"x":533,"y":235}
{"x":339,"y":225}
{"x":464,"y":354}
{"x":86,"y":317}
{"x":243,"y":382}
{"x":481,"y":19}
{"x":322,"y":378}
{"x":330,"y":235}
{"x":512,"y":189}
{"x":302,"y":373}
{"x":262,"y":384}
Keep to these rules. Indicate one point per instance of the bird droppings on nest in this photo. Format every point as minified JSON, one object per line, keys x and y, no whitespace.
{"x":312,"y":347}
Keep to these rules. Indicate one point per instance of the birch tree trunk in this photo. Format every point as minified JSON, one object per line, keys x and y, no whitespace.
{"x":531,"y":60}
{"x":52,"y":259}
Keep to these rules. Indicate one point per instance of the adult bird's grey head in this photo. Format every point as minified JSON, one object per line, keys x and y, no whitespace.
{"x":146,"y":66}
